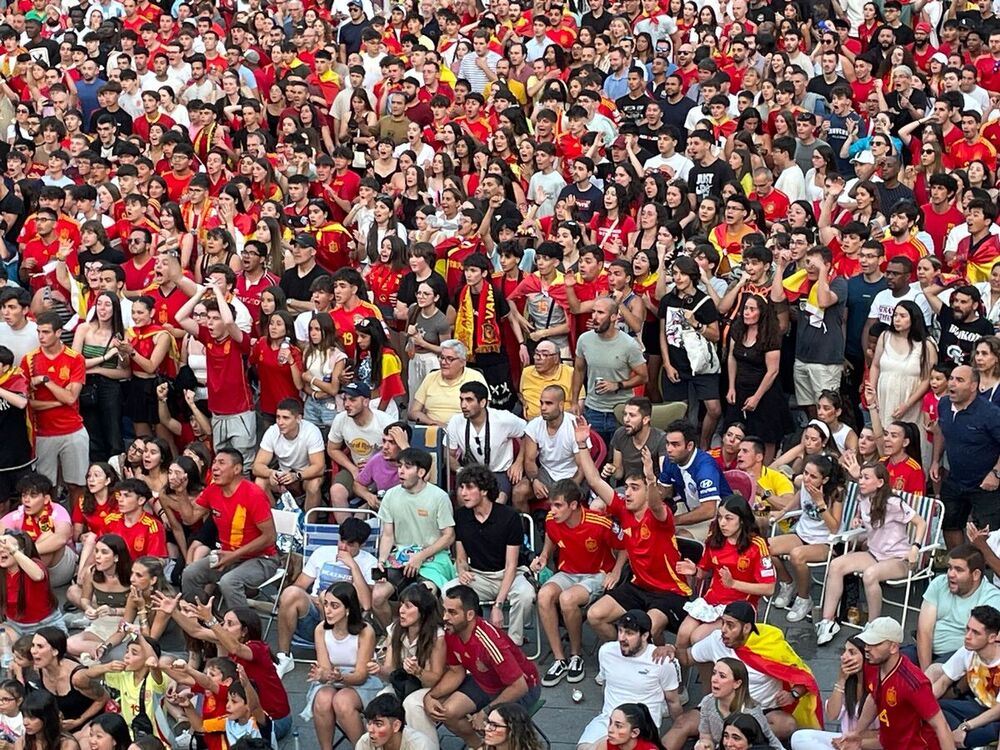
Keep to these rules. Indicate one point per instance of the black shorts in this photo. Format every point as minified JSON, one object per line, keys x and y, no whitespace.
{"x":630,"y":596}
{"x":963,"y":503}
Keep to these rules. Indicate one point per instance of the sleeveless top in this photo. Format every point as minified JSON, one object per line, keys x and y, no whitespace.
{"x":343,"y":653}
{"x":114,"y":599}
{"x":73,"y":704}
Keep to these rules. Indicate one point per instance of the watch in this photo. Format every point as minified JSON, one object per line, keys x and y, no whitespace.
{"x":45,"y":379}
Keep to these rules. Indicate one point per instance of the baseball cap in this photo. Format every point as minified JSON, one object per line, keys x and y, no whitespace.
{"x":304,"y":240}
{"x":252,"y":57}
{"x":940,"y":57}
{"x":880,"y":630}
{"x":356,"y":389}
{"x":356,"y":3}
{"x":863,"y":157}
{"x":923,"y":26}
{"x":618,"y":142}
{"x":637,"y":620}
{"x":744,"y":612}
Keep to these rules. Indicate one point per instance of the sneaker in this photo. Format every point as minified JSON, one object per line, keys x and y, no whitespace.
{"x":800,"y":610}
{"x":555,"y":673}
{"x":285,"y":664}
{"x":576,"y":671}
{"x":826,"y":630}
{"x":599,"y":678}
{"x":786,"y":591}
{"x":184,"y":740}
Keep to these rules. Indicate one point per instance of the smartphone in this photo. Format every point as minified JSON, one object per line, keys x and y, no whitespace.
{"x":378,"y":574}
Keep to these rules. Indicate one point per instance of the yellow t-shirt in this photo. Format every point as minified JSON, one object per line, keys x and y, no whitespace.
{"x":773,"y":483}
{"x":441,"y":399}
{"x":128,"y":693}
{"x":532,"y":385}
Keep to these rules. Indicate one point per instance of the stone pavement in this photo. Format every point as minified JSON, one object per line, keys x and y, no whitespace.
{"x":563,"y":720}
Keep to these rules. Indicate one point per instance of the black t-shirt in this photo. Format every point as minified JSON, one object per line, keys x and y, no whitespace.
{"x":45,"y":50}
{"x":587,"y":201}
{"x":708,"y":180}
{"x":820,"y":87}
{"x":632,"y":110}
{"x":11,"y":204}
{"x":506,"y":210}
{"x":764,"y":14}
{"x":107,"y":255}
{"x":899,"y":114}
{"x":15,"y":448}
{"x":122,"y":118}
{"x":676,"y":114}
{"x":486,"y":543}
{"x":486,"y":359}
{"x":598,"y":24}
{"x":671,"y":318}
{"x":407,"y":293}
{"x":958,"y":339}
{"x":297,"y":287}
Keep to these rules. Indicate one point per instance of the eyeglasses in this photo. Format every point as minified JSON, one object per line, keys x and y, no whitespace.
{"x":927,"y":151}
{"x":446,"y":360}
{"x":488,"y":724}
{"x":545,"y":354}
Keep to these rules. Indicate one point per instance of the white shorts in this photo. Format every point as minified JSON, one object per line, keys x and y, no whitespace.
{"x":597,"y":729}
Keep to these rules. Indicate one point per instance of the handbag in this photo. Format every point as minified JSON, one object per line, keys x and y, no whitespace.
{"x":701,"y":353}
{"x":141,"y":724}
{"x":404,"y":683}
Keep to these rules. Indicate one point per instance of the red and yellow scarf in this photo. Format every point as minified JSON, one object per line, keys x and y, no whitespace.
{"x":35,"y":526}
{"x":488,"y":328}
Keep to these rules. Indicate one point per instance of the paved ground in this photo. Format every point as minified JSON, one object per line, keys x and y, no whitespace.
{"x":563,"y":720}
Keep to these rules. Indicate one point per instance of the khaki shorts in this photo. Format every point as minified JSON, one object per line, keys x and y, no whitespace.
{"x":811,"y":380}
{"x":592,"y":582}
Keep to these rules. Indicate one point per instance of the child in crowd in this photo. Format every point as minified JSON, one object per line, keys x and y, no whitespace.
{"x":213,"y":684}
{"x":136,"y":677}
{"x":243,"y":713}
{"x":11,"y":721}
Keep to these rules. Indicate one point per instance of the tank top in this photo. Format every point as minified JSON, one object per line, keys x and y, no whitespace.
{"x":73,"y":704}
{"x":810,"y":528}
{"x":840,"y":437}
{"x":114,"y":599}
{"x":343,"y":653}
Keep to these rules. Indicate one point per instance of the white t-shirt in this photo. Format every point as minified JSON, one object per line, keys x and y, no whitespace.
{"x":324,"y":567}
{"x":361,"y":442}
{"x":293,"y":455}
{"x":20,"y":342}
{"x":636,"y":679}
{"x":884,"y":304}
{"x":503,"y":427}
{"x":556,"y":453}
{"x":678,"y":162}
{"x":763,"y":689}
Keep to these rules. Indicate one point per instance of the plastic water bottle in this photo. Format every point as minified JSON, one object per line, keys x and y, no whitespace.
{"x":295,"y":739}
{"x":285,"y":351}
{"x":6,"y":653}
{"x":213,"y":557}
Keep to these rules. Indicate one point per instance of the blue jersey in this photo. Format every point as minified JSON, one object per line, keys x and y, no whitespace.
{"x":698,"y":481}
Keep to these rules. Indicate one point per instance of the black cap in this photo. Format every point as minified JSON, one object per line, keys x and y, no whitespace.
{"x":744,"y":612}
{"x":637,"y":620}
{"x":356,"y":389}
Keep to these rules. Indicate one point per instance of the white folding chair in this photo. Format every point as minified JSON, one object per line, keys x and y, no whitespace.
{"x":843,"y":536}
{"x":285,"y":522}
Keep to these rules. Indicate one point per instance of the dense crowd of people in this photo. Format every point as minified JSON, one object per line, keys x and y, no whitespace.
{"x":702,"y":296}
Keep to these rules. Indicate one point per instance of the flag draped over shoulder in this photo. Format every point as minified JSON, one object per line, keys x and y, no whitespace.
{"x":769,"y":653}
{"x":797,"y":286}
{"x":14,"y":380}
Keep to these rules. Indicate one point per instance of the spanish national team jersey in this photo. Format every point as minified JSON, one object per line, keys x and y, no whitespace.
{"x":906,"y":476}
{"x":753,"y":565}
{"x":905,"y":703}
{"x":238,"y":517}
{"x":652,"y":548}
{"x":145,"y":537}
{"x":585,"y":548}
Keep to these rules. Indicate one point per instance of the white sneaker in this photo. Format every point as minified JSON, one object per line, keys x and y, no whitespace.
{"x":800,"y":610}
{"x":786,"y":591}
{"x":826,"y":630}
{"x":285,"y":664}
{"x":599,"y":678}
{"x":184,"y":740}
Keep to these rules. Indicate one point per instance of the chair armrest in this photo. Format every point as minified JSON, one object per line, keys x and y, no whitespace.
{"x":846,"y":536}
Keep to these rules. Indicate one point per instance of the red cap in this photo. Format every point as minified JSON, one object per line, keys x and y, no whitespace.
{"x":923,"y":26}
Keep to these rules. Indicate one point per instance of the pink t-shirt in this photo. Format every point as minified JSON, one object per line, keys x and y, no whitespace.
{"x":15,"y":519}
{"x":890,"y":540}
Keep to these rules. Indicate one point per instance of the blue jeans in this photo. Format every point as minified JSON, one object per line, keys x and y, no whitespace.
{"x":603,"y":423}
{"x":957,"y":711}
